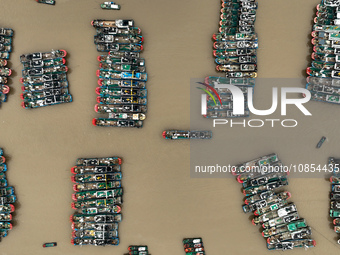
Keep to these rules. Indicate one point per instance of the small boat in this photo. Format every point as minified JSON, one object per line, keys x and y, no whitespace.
{"x":96,"y":186}
{"x":32,"y":96}
{"x":97,"y":203}
{"x":53,"y":244}
{"x":98,"y":218}
{"x":50,"y":2}
{"x":51,"y":100}
{"x":99,"y":161}
{"x":95,"y":194}
{"x":95,"y":169}
{"x":43,"y":55}
{"x":110,"y":6}
{"x":38,"y":71}
{"x":102,"y":122}
{"x":178,"y":134}
{"x":112,"y":23}
{"x":96,"y":242}
{"x":85,"y":178}
{"x":103,"y":108}
{"x":34,"y":80}
{"x":95,"y":234}
{"x":6,"y":32}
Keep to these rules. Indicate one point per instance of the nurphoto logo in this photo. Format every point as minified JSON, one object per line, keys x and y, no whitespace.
{"x":239,"y":102}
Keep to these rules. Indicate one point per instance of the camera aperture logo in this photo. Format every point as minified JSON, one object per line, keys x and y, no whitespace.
{"x":239,"y":102}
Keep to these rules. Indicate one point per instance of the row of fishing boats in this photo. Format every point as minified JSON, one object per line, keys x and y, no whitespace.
{"x":7,"y":199}
{"x":98,"y":198}
{"x":6,"y":38}
{"x":323,"y":79}
{"x":235,"y":52}
{"x":263,"y":183}
{"x":44,"y":79}
{"x":122,"y":93}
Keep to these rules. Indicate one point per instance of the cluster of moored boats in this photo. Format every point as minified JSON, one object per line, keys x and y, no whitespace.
{"x":7,"y":199}
{"x":282,"y":226}
{"x":334,"y":212}
{"x":323,"y":79}
{"x":236,"y":43}
{"x":235,"y":50}
{"x":44,"y":79}
{"x":97,"y":201}
{"x":122,"y":75}
{"x":6,"y":36}
{"x":193,"y":246}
